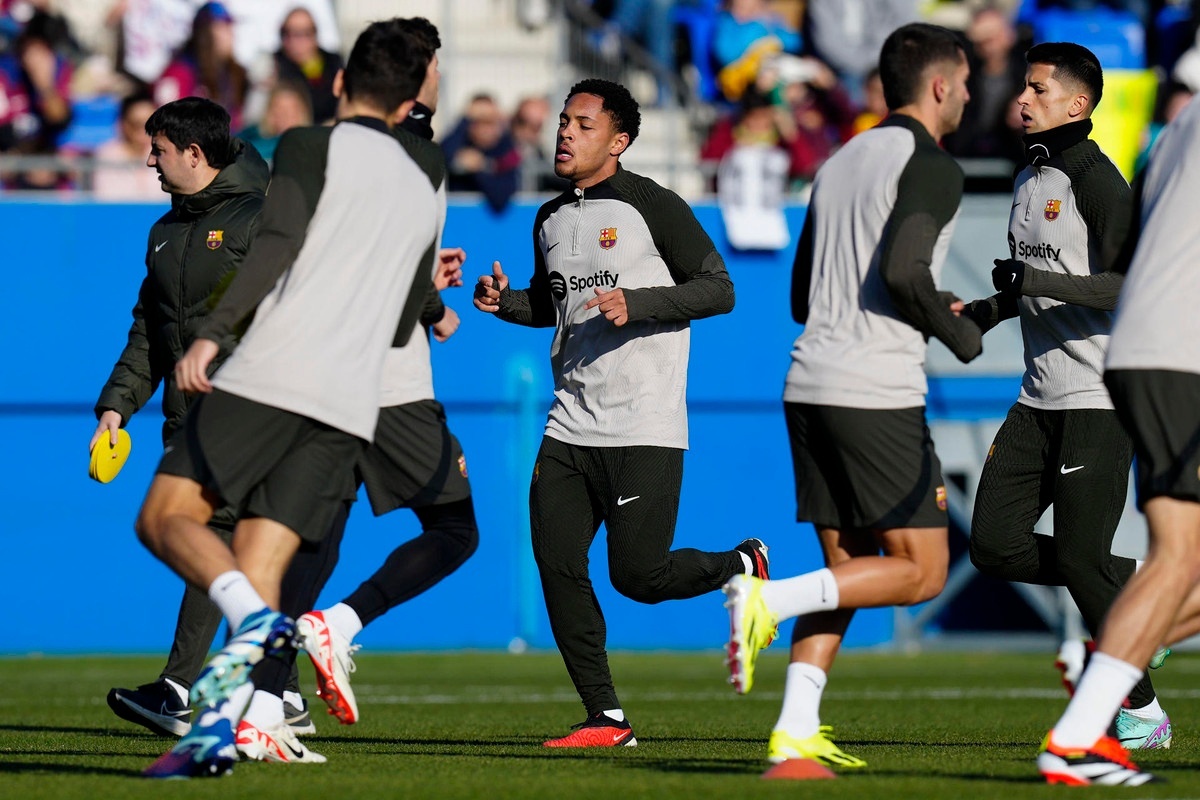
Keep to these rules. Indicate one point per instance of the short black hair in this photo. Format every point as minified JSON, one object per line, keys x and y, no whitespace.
{"x":908,"y":52}
{"x":194,"y":120}
{"x":423,"y":29}
{"x":387,"y":65}
{"x":622,"y":109}
{"x":1073,"y":63}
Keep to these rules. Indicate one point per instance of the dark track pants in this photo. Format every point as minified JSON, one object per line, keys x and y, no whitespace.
{"x":634,"y":491}
{"x":1079,"y":461}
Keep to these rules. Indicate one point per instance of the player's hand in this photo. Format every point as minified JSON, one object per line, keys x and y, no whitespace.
{"x":449,"y":269}
{"x":611,"y":305}
{"x":109,"y":421}
{"x":445,"y":327}
{"x":191,"y":371}
{"x":1008,"y":275}
{"x":488,"y":289}
{"x":40,"y":65}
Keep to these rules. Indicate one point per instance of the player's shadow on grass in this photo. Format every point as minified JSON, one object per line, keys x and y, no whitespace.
{"x":62,"y":769}
{"x":121,"y":732}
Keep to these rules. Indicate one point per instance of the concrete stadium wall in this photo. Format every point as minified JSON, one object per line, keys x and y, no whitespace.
{"x":80,"y":582}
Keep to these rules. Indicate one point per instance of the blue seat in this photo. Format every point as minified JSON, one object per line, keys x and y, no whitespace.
{"x":1116,"y":37}
{"x":93,"y":122}
{"x":700,"y":22}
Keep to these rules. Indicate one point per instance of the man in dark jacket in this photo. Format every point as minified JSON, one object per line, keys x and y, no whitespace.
{"x":217,"y":188}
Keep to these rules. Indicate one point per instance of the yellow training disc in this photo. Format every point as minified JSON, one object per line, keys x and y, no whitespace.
{"x":107,"y":459}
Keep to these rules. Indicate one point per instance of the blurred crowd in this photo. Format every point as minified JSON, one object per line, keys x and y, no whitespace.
{"x":799,"y":75}
{"x":78,"y":78}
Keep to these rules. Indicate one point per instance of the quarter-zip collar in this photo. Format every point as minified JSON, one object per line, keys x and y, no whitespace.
{"x":1045,"y":145}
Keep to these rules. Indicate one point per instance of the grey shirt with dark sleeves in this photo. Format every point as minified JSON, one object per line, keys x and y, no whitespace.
{"x":336,"y":276}
{"x":1069,"y":224}
{"x":865,"y":273}
{"x":620,"y":385}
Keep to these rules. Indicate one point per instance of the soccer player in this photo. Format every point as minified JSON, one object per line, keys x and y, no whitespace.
{"x":415,"y":462}
{"x":333,"y":271}
{"x":867,"y":477}
{"x":1061,"y":442}
{"x":216,"y":187}
{"x":621,"y":267}
{"x":1152,"y":371}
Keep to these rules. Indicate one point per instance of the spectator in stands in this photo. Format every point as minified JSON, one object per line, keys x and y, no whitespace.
{"x":648,"y":21}
{"x":300,"y":59}
{"x":205,"y":66}
{"x":480,"y":154}
{"x":150,"y":31}
{"x":35,"y":106}
{"x":997,"y":77}
{"x":287,"y":107}
{"x":121,"y":172}
{"x":822,"y":116}
{"x":748,"y":38}
{"x":874,"y":105}
{"x":757,"y":122}
{"x":848,"y":34}
{"x":528,"y":127}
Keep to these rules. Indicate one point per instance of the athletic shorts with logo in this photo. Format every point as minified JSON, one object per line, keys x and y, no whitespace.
{"x":1161,"y":411}
{"x":865,"y":468}
{"x":265,"y":461}
{"x":415,"y":460}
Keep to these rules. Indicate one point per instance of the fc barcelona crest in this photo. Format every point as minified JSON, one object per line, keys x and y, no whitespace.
{"x":608,"y":238}
{"x":940,"y":497}
{"x":1052,"y":209}
{"x":215,"y":238}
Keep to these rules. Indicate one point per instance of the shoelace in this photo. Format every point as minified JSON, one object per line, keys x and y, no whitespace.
{"x":350,"y":651}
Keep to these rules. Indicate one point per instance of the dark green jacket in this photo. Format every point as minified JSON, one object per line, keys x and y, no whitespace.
{"x":193,"y":249}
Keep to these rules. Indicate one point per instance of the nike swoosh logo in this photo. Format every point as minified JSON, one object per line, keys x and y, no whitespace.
{"x":1014,"y":205}
{"x":623,"y":500}
{"x":159,"y":246}
{"x":551,"y":247}
{"x":295,"y":752}
{"x":1063,"y":469}
{"x":166,"y":712}
{"x":618,"y":737}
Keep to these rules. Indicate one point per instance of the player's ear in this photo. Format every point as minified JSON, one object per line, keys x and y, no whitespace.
{"x":941,"y":87}
{"x":620,"y":143}
{"x":338,"y":83}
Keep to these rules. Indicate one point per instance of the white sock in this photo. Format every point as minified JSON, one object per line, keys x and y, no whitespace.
{"x":1151,"y":712}
{"x":265,"y":711}
{"x":233,"y":594}
{"x":615,"y":713}
{"x":344,"y":620}
{"x":294,"y":698}
{"x":793,"y":597}
{"x":1137,"y":564}
{"x":1105,"y":684}
{"x":179,"y":690}
{"x":801,"y":714}
{"x":746,"y":565}
{"x":232,"y":709}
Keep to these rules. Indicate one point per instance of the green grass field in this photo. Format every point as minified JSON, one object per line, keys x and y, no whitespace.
{"x":470,"y":725}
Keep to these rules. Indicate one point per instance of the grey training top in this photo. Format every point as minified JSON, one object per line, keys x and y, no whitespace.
{"x":333,"y":267}
{"x":619,"y":386}
{"x":1158,"y":315}
{"x":863,"y":283}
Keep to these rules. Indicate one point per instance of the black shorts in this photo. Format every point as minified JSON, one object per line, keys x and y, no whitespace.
{"x":264,"y":461}
{"x":1161,"y":411}
{"x":415,"y":461}
{"x":865,"y":468}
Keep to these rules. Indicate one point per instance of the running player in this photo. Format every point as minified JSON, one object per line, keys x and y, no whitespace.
{"x":1152,"y":372}
{"x":867,"y":477}
{"x":1061,"y":442}
{"x":335,"y":264}
{"x":621,"y":267}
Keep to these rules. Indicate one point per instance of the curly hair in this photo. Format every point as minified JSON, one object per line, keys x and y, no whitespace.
{"x":618,"y":103}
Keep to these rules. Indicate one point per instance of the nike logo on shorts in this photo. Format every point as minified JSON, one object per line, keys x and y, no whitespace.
{"x":1065,"y":471}
{"x":623,"y":500}
{"x":159,"y":246}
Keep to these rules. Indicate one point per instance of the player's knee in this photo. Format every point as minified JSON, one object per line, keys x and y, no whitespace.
{"x":637,"y":584}
{"x":928,"y":582}
{"x":149,"y":527}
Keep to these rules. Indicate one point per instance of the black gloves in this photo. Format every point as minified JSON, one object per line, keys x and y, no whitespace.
{"x":1008,"y":275}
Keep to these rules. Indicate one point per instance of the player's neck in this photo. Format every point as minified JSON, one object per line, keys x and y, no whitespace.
{"x":927,"y":117}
